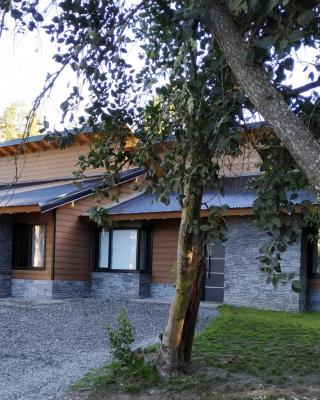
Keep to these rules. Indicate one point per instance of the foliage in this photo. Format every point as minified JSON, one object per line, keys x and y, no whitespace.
{"x":133,"y":378}
{"x":184,"y":108}
{"x":14,"y":122}
{"x":121,"y":339}
{"x":275,"y":206}
{"x":273,"y":346}
{"x":184,"y":86}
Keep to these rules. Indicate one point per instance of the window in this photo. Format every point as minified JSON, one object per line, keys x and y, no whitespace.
{"x":313,"y":255}
{"x":29,"y":246}
{"x":122,"y":249}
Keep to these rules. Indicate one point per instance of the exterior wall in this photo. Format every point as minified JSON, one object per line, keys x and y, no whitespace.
{"x":164,"y":252}
{"x":245,"y":164}
{"x":43,"y":164}
{"x":37,"y":218}
{"x":31,"y":289}
{"x":70,"y":289}
{"x":121,"y":285}
{"x":5,"y":256}
{"x":74,"y":239}
{"x":245,"y":284}
{"x":162,"y":290}
{"x":313,"y":295}
{"x":47,"y":289}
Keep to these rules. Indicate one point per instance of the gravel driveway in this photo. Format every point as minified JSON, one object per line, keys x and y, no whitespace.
{"x":45,"y":346}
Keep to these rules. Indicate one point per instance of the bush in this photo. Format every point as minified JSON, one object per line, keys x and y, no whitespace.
{"x":121,"y":338}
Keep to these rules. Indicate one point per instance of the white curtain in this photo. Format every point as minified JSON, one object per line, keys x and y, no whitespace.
{"x":104,"y":249}
{"x":38,"y":245}
{"x":124,"y":249}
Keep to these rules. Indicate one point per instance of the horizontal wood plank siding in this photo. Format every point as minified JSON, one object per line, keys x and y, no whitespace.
{"x":74,"y":238}
{"x":37,"y":219}
{"x":43,"y":164}
{"x":165,"y":245}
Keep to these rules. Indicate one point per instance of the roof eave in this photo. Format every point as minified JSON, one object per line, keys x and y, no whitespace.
{"x":59,"y":202}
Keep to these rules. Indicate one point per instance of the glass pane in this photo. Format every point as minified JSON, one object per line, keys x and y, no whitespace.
{"x":38,"y":245}
{"x":124,"y":249}
{"x":104,"y":249}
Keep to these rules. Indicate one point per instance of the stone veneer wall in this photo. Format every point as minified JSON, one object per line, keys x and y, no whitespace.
{"x":70,"y":289}
{"x":162,"y":290}
{"x":31,"y":289}
{"x":5,"y":255}
{"x":47,"y":289}
{"x":120,"y":285}
{"x":245,"y":284}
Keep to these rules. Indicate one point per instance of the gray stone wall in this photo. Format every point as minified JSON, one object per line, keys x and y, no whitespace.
{"x":5,"y":255}
{"x":245,"y":284}
{"x":31,"y":289}
{"x":119,"y":285}
{"x":162,"y":290}
{"x":70,"y":289}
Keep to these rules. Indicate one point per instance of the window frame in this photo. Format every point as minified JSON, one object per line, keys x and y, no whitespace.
{"x":312,"y":254}
{"x":29,"y":267}
{"x":96,"y":251}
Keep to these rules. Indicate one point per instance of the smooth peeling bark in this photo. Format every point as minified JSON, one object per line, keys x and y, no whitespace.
{"x":293,"y":133}
{"x":176,"y":347}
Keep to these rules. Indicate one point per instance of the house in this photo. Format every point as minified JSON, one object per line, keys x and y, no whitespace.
{"x":51,"y":249}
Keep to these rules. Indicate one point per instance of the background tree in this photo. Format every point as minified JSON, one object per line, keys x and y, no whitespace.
{"x":195,"y":55}
{"x":14,"y":121}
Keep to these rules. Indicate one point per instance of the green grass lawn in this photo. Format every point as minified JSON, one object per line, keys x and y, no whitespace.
{"x":270,"y":347}
{"x":261,"y":342}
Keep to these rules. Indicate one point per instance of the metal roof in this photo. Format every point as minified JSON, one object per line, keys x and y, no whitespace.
{"x":235,"y":196}
{"x":51,"y":195}
{"x":38,"y":138}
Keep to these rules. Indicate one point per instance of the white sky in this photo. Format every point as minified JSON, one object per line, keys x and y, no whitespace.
{"x":27,"y":60}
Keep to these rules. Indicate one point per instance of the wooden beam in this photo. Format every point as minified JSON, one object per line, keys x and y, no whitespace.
{"x":4,"y":152}
{"x":18,"y":209}
{"x":34,"y":146}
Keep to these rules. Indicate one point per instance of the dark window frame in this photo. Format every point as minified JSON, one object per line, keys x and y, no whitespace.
{"x":28,"y":267}
{"x":148,"y":251}
{"x":312,"y":253}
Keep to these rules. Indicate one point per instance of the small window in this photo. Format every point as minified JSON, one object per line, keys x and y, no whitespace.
{"x":29,"y":246}
{"x":121,"y":249}
{"x":124,"y":249}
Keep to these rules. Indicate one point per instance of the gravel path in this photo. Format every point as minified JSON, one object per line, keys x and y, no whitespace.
{"x":45,"y":346}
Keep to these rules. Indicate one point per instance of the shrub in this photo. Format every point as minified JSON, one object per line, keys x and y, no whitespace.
{"x":121,"y":338}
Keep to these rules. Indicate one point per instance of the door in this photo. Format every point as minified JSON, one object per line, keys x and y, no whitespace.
{"x":214,"y":279}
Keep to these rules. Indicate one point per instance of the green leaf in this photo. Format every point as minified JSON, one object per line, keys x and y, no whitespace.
{"x":305,"y":17}
{"x":296,"y":286}
{"x":288,"y":64}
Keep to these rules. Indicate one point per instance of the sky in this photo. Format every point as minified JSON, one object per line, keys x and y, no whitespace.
{"x":27,"y":60}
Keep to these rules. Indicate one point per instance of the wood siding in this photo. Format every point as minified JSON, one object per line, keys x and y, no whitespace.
{"x":164,"y":254}
{"x":43,"y":164}
{"x":245,"y":164}
{"x":37,"y":219}
{"x":74,"y":238}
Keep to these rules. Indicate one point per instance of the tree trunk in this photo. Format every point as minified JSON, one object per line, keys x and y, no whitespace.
{"x":176,"y":347}
{"x":293,"y":133}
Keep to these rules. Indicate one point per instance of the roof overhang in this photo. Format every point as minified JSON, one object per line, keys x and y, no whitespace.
{"x":175,"y":215}
{"x":19,"y":209}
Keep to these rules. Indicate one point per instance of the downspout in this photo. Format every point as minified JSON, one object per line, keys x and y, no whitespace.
{"x":54,"y":215}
